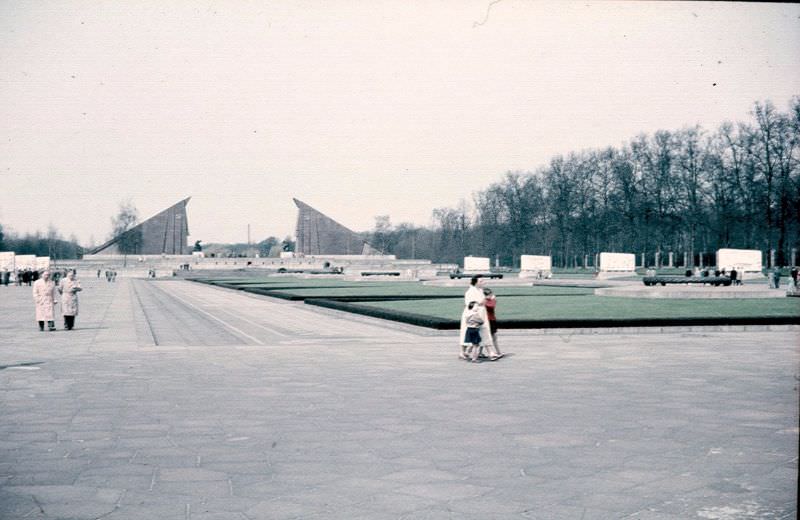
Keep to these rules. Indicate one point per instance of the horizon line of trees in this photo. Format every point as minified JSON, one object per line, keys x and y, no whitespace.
{"x":51,"y":244}
{"x":688,"y":191}
{"x":270,"y":246}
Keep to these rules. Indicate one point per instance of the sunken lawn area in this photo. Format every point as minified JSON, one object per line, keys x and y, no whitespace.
{"x":518,"y":307}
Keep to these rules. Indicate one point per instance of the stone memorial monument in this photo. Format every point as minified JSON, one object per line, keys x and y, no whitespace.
{"x":535,"y":266}
{"x":476,"y":264}
{"x":318,"y":234}
{"x":25,"y":262}
{"x":616,"y":264}
{"x":744,"y":261}
{"x":7,"y":261}
{"x":163,"y":234}
{"x":42,"y":263}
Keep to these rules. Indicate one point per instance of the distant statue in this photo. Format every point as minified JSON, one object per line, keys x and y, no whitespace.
{"x":197,"y":246}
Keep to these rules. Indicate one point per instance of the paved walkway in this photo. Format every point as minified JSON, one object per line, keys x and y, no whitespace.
{"x":175,"y":400}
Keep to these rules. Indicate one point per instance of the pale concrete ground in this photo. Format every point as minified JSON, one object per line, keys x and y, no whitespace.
{"x":175,"y":400}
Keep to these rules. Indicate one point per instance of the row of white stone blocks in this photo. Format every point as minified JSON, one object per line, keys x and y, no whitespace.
{"x":743,"y":260}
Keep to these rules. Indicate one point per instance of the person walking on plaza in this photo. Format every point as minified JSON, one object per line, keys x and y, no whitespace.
{"x":473,"y":318}
{"x":475,"y":294}
{"x":475,"y":291}
{"x":44,"y":296}
{"x":70,"y":286}
{"x":491,"y":304}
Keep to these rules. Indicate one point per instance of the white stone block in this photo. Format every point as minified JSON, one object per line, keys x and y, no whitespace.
{"x":7,"y":260}
{"x":743,"y":260}
{"x":42,"y":263}
{"x":535,"y":263}
{"x":617,"y":262}
{"x":25,"y":262}
{"x":476,"y":263}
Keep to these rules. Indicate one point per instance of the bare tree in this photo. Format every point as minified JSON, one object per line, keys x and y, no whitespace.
{"x":382,"y":234}
{"x":684,"y":190}
{"x":124,"y":226}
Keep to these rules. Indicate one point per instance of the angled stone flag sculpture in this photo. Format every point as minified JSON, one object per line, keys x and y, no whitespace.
{"x":318,"y":234}
{"x":162,"y":234}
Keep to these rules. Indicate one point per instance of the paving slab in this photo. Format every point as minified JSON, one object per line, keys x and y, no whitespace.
{"x":180,"y":400}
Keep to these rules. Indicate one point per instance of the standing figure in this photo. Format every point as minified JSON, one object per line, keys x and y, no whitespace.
{"x":491,"y":305}
{"x":475,"y":294}
{"x":474,"y":320}
{"x":44,"y":296}
{"x":70,"y":286}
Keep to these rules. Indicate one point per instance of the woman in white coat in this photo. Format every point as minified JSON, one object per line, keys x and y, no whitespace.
{"x":70,"y":286}
{"x":475,"y":294}
{"x":44,"y":296}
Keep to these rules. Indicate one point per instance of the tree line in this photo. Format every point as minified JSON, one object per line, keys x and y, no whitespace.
{"x":50,"y":243}
{"x":270,"y":246}
{"x":688,"y":192}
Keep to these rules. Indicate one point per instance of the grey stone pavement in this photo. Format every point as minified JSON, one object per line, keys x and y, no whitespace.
{"x":174,"y":400}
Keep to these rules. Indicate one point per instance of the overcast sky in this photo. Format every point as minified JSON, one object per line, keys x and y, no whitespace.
{"x":357,"y":108}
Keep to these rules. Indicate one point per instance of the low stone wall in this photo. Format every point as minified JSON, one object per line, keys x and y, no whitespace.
{"x":690,"y":292}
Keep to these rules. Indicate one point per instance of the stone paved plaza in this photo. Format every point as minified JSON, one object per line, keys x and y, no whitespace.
{"x":174,"y":400}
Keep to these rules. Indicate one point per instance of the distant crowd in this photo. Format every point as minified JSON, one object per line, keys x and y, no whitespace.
{"x":28,"y":276}
{"x":111,"y":276}
{"x":20,"y":277}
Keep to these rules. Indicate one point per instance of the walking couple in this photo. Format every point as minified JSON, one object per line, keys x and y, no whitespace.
{"x":479,"y":323}
{"x":45,"y":298}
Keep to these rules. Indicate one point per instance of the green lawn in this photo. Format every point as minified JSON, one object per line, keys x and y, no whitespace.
{"x":601,"y":307}
{"x":412,"y":289}
{"x":337,"y":288}
{"x":537,"y":303}
{"x":283,"y":280}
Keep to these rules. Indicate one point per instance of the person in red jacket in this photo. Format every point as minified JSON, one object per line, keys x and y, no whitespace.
{"x":490,"y":303}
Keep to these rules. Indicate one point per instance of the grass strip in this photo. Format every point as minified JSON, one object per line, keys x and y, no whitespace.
{"x":450,"y":323}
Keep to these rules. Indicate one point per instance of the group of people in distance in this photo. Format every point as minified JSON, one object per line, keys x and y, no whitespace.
{"x":45,"y":297}
{"x":111,"y":276}
{"x":478,"y":331}
{"x":25,"y":276}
